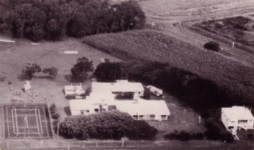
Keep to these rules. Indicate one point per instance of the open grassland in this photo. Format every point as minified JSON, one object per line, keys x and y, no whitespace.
{"x":155,"y":46}
{"x":13,"y":56}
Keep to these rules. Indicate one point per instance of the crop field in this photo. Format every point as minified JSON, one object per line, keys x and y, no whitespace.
{"x":238,"y":29}
{"x":155,"y":46}
{"x":185,"y":10}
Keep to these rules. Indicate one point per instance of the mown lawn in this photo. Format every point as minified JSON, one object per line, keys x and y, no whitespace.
{"x":13,"y":58}
{"x":155,"y":46}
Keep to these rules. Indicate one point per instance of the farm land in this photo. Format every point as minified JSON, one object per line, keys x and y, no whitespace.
{"x":168,"y":43}
{"x":155,"y":46}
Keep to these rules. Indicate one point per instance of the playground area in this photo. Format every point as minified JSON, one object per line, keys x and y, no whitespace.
{"x":27,"y":121}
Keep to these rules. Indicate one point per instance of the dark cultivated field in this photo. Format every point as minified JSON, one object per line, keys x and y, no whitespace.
{"x":154,"y":46}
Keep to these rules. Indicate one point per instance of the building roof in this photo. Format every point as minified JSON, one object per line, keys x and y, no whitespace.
{"x":73,"y":89}
{"x":118,"y":86}
{"x":238,"y":113}
{"x":143,"y":107}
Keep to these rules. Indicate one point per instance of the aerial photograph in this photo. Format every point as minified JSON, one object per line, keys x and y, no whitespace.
{"x":126,"y":74}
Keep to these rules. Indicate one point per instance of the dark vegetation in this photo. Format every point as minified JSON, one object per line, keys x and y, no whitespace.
{"x":199,"y":78}
{"x":55,"y":117}
{"x":80,"y":71}
{"x":106,"y":125}
{"x":109,"y":72}
{"x":53,"y":19}
{"x":203,"y":95}
{"x":213,"y":46}
{"x":53,"y":111}
{"x":30,"y":70}
{"x":184,"y":136}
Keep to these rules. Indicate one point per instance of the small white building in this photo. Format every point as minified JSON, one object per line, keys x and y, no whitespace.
{"x":154,"y":90}
{"x":73,"y":90}
{"x":144,"y":109}
{"x":120,"y":86}
{"x":237,"y":117}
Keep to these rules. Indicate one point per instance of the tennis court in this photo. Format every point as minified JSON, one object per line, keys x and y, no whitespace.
{"x":27,"y":121}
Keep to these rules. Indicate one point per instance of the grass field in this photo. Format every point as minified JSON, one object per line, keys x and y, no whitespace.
{"x":155,"y":46}
{"x":14,"y":56}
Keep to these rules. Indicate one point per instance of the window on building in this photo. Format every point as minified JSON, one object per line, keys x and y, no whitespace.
{"x":135,"y":117}
{"x":163,"y":117}
{"x":141,"y":117}
{"x":96,"y":110}
{"x":152,"y":117}
{"x":242,"y":121}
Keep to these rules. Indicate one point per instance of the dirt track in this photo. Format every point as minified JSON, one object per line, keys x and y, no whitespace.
{"x":173,"y":17}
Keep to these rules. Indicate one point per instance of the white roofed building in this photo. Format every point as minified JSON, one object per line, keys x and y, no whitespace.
{"x":105,"y":97}
{"x":73,"y":90}
{"x":144,"y":109}
{"x":120,"y":86}
{"x":237,"y":117}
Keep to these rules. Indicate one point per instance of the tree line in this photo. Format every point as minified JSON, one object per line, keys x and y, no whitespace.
{"x":51,"y":20}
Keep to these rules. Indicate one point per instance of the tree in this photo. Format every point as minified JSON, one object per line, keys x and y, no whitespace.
{"x":29,"y":70}
{"x":211,"y":45}
{"x":52,"y":72}
{"x":108,"y":72}
{"x":81,"y":69}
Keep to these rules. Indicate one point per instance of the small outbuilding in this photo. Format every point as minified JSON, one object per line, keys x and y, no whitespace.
{"x":73,"y":90}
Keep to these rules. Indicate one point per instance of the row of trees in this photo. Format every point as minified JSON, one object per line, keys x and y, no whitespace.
{"x":51,"y":20}
{"x":106,"y":125}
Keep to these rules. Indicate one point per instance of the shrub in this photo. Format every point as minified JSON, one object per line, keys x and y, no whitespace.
{"x":215,"y":131}
{"x":29,"y":70}
{"x":213,"y":46}
{"x":51,"y":72}
{"x":53,"y":112}
{"x":107,"y":125}
{"x":250,"y":136}
{"x":55,"y":115}
{"x":184,"y":136}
